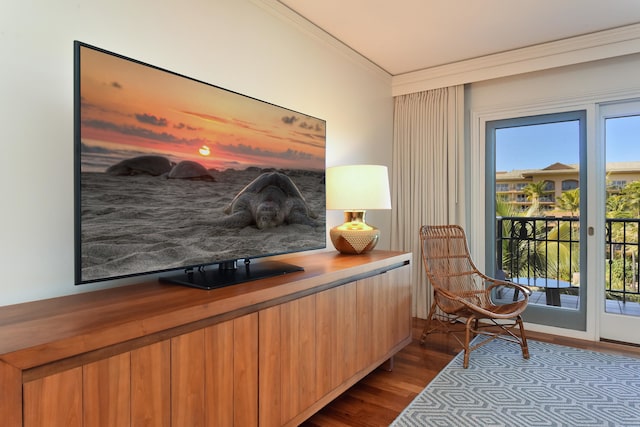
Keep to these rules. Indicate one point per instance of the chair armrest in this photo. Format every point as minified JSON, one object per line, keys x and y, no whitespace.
{"x":495,"y":283}
{"x":467,"y":299}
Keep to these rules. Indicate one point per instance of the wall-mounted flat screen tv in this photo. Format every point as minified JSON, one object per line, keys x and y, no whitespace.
{"x":176,"y":175}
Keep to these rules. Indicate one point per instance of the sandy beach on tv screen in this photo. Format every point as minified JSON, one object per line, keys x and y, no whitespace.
{"x":135,"y":224}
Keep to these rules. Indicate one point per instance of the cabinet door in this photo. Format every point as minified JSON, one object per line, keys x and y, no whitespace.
{"x":393,"y":298}
{"x":214,"y":375}
{"x":287,"y":381}
{"x":55,"y":400}
{"x":11,"y":408}
{"x":231,"y":372}
{"x":151,"y":385}
{"x":298,"y":356}
{"x":187,"y":379}
{"x":245,"y":371}
{"x":106,"y":391}
{"x":220,"y":373}
{"x":366,"y":333}
{"x":336,"y":337}
{"x":307,"y":349}
{"x":270,"y":367}
{"x":131,"y":388}
{"x":402,"y":321}
{"x":384,"y":314}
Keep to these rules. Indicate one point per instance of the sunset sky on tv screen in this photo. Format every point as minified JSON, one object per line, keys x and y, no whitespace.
{"x":129,"y":109}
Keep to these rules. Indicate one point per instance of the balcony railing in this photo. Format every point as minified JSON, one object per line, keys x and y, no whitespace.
{"x":549,"y":248}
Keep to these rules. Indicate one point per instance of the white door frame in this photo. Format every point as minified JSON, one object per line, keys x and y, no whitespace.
{"x":610,"y":326}
{"x":476,"y":182}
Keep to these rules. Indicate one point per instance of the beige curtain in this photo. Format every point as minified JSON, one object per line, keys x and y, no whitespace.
{"x":427,"y":174}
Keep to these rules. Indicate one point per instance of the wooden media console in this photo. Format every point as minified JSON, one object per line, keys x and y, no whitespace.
{"x":269,"y":352}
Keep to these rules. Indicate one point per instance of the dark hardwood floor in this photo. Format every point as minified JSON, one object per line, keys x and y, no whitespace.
{"x":380,"y":397}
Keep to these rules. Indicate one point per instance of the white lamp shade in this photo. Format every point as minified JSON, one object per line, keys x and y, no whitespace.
{"x":358,"y":187}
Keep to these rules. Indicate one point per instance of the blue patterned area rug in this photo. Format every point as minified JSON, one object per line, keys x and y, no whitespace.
{"x":557,"y":386}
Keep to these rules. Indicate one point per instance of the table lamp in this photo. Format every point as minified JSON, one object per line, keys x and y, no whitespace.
{"x":355,"y":189}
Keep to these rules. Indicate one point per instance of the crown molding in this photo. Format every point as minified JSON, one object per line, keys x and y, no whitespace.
{"x":590,"y":47}
{"x":574,"y":50}
{"x":295,"y":20}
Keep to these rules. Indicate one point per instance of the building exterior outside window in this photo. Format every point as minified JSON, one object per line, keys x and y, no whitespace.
{"x":510,"y":186}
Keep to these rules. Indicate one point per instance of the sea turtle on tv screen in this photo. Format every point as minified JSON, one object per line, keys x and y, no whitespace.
{"x":270,"y":200}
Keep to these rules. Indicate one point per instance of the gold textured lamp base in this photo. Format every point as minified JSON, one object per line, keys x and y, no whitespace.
{"x":354,"y":236}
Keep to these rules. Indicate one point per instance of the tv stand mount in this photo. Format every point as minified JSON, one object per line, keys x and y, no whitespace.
{"x":228,"y":273}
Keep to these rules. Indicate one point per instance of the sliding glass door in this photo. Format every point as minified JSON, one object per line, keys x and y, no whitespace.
{"x":564,"y":219}
{"x":535,"y":211}
{"x":620,"y":303}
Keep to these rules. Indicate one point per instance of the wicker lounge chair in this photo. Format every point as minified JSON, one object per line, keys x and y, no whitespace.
{"x":462,"y":295}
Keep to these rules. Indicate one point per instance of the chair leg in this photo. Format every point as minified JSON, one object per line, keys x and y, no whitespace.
{"x":428,"y":328}
{"x":523,"y":339}
{"x":467,"y":339}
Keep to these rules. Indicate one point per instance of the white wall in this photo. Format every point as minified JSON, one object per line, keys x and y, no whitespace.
{"x":236,"y":44}
{"x":591,"y":82}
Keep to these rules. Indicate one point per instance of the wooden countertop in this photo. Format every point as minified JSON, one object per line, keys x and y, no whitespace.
{"x":40,"y":332}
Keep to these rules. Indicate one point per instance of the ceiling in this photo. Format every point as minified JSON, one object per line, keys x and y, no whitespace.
{"x":403,"y":36}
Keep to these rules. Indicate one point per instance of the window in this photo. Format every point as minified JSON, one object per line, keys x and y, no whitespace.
{"x":617,"y":184}
{"x":502,"y":187}
{"x":569,"y":184}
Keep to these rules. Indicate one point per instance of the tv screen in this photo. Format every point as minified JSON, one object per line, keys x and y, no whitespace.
{"x":176,"y":175}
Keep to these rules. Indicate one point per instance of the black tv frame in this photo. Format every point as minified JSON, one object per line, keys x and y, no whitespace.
{"x":218,"y":271}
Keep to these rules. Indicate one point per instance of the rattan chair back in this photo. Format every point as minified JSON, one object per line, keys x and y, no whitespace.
{"x":464,"y":295}
{"x":449,"y":266}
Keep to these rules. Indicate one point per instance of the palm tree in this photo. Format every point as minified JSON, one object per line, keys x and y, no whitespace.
{"x":535,"y":190}
{"x":631,"y":192}
{"x":570,"y":201}
{"x":521,"y":256}
{"x":617,"y":207}
{"x":504,"y":209}
{"x":513,"y":250}
{"x":561,"y":260}
{"x":624,"y":205}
